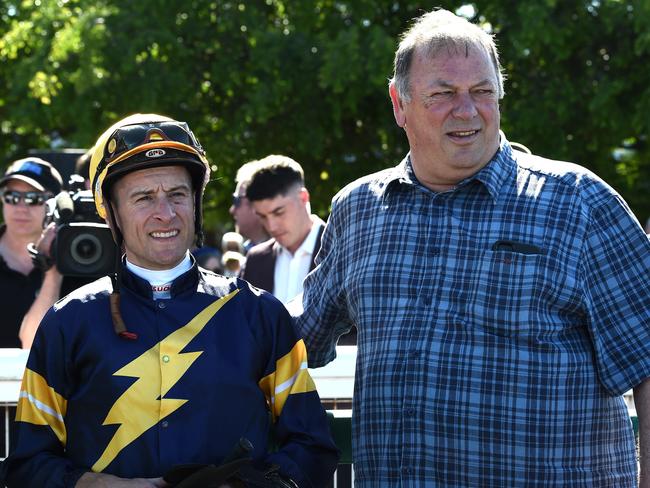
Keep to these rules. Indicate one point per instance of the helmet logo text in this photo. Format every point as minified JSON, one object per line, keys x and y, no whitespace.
{"x":155,"y":153}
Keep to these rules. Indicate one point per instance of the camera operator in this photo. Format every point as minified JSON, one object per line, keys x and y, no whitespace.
{"x":74,"y":248}
{"x":26,"y":292}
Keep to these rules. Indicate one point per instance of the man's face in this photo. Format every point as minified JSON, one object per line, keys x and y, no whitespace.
{"x":247,"y":223}
{"x":154,"y":209}
{"x":452,"y":120}
{"x":23,"y":221}
{"x":286,"y":217}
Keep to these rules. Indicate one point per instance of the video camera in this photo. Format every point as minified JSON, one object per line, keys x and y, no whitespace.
{"x":83,"y":245}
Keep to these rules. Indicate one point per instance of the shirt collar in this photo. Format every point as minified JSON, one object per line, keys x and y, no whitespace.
{"x":157,"y":277}
{"x":402,"y":174}
{"x":493,"y":175}
{"x":498,"y":171}
{"x":187,"y":281}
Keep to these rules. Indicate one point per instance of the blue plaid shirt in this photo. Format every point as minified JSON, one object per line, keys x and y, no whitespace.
{"x":498,"y":325}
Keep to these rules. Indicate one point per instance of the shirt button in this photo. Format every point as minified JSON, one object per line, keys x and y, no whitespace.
{"x":406,"y":470}
{"x":164,"y":424}
{"x":161,"y":304}
{"x":410,"y":412}
{"x":165,"y":358}
{"x":415,"y":353}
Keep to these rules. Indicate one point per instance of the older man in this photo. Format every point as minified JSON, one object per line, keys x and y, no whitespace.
{"x":501,"y":299}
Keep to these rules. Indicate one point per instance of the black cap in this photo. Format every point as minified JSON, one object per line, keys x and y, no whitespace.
{"x":36,"y":172}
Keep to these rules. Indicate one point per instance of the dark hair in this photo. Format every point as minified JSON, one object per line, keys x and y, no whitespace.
{"x":274,"y":175}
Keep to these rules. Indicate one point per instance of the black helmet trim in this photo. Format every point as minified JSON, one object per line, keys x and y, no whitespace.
{"x":165,"y":157}
{"x":134,"y":136}
{"x":149,"y":155}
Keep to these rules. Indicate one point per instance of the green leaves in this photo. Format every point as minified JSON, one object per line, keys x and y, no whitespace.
{"x":309,"y":79}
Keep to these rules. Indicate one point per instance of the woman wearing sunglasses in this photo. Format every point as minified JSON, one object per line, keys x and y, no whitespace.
{"x":25,"y":187}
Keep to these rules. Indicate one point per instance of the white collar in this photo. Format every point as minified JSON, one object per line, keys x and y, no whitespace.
{"x":159,"y":277}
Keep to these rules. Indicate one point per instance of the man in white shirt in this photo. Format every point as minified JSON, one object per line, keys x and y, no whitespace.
{"x":278,"y":195}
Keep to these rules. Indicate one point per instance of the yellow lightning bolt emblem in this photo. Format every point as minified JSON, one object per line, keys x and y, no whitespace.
{"x":158,"y":369}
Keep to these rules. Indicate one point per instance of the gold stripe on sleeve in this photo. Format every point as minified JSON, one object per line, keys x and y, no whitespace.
{"x":291,"y":376}
{"x":39,"y":404}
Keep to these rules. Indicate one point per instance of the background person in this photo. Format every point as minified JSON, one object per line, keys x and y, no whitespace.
{"x":501,"y":299}
{"x":232,"y":263}
{"x":278,"y":195}
{"x":25,"y":291}
{"x":163,"y":363}
{"x":233,"y":257}
{"x":247,"y":223}
{"x":232,"y":241}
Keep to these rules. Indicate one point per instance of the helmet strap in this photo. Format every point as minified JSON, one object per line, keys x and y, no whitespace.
{"x":114,"y":299}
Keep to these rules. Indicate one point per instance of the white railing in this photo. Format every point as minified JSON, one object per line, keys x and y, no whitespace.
{"x":12,"y":365}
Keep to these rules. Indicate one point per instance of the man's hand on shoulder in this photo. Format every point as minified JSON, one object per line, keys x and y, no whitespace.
{"x":101,"y":480}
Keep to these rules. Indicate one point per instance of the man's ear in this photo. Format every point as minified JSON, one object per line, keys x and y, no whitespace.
{"x":398,"y":107}
{"x":304,"y":195}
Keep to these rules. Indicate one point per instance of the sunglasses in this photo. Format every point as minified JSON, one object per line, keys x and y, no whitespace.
{"x":31,"y":198}
{"x":237,"y":200}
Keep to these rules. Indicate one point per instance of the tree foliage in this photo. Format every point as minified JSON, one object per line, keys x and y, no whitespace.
{"x":309,"y":78}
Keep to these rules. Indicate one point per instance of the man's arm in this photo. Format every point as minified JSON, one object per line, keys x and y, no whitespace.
{"x":642,"y":403}
{"x":307,"y":453}
{"x":48,"y":295}
{"x":321,"y":313}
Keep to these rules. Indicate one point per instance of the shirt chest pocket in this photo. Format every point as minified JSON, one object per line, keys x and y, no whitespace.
{"x":513,"y":293}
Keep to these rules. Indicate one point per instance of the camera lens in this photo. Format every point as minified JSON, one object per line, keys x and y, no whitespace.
{"x":86,"y":249}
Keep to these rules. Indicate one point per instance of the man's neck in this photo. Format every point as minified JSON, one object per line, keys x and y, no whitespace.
{"x":304,"y":236}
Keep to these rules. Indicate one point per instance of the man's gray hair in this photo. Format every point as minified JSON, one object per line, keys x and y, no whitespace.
{"x":245,"y":172}
{"x":433,"y":32}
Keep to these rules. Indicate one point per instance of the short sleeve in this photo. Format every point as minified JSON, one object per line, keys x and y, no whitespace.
{"x":616,"y":276}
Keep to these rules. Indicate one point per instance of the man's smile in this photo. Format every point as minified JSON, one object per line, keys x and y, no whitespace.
{"x":164,"y":235}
